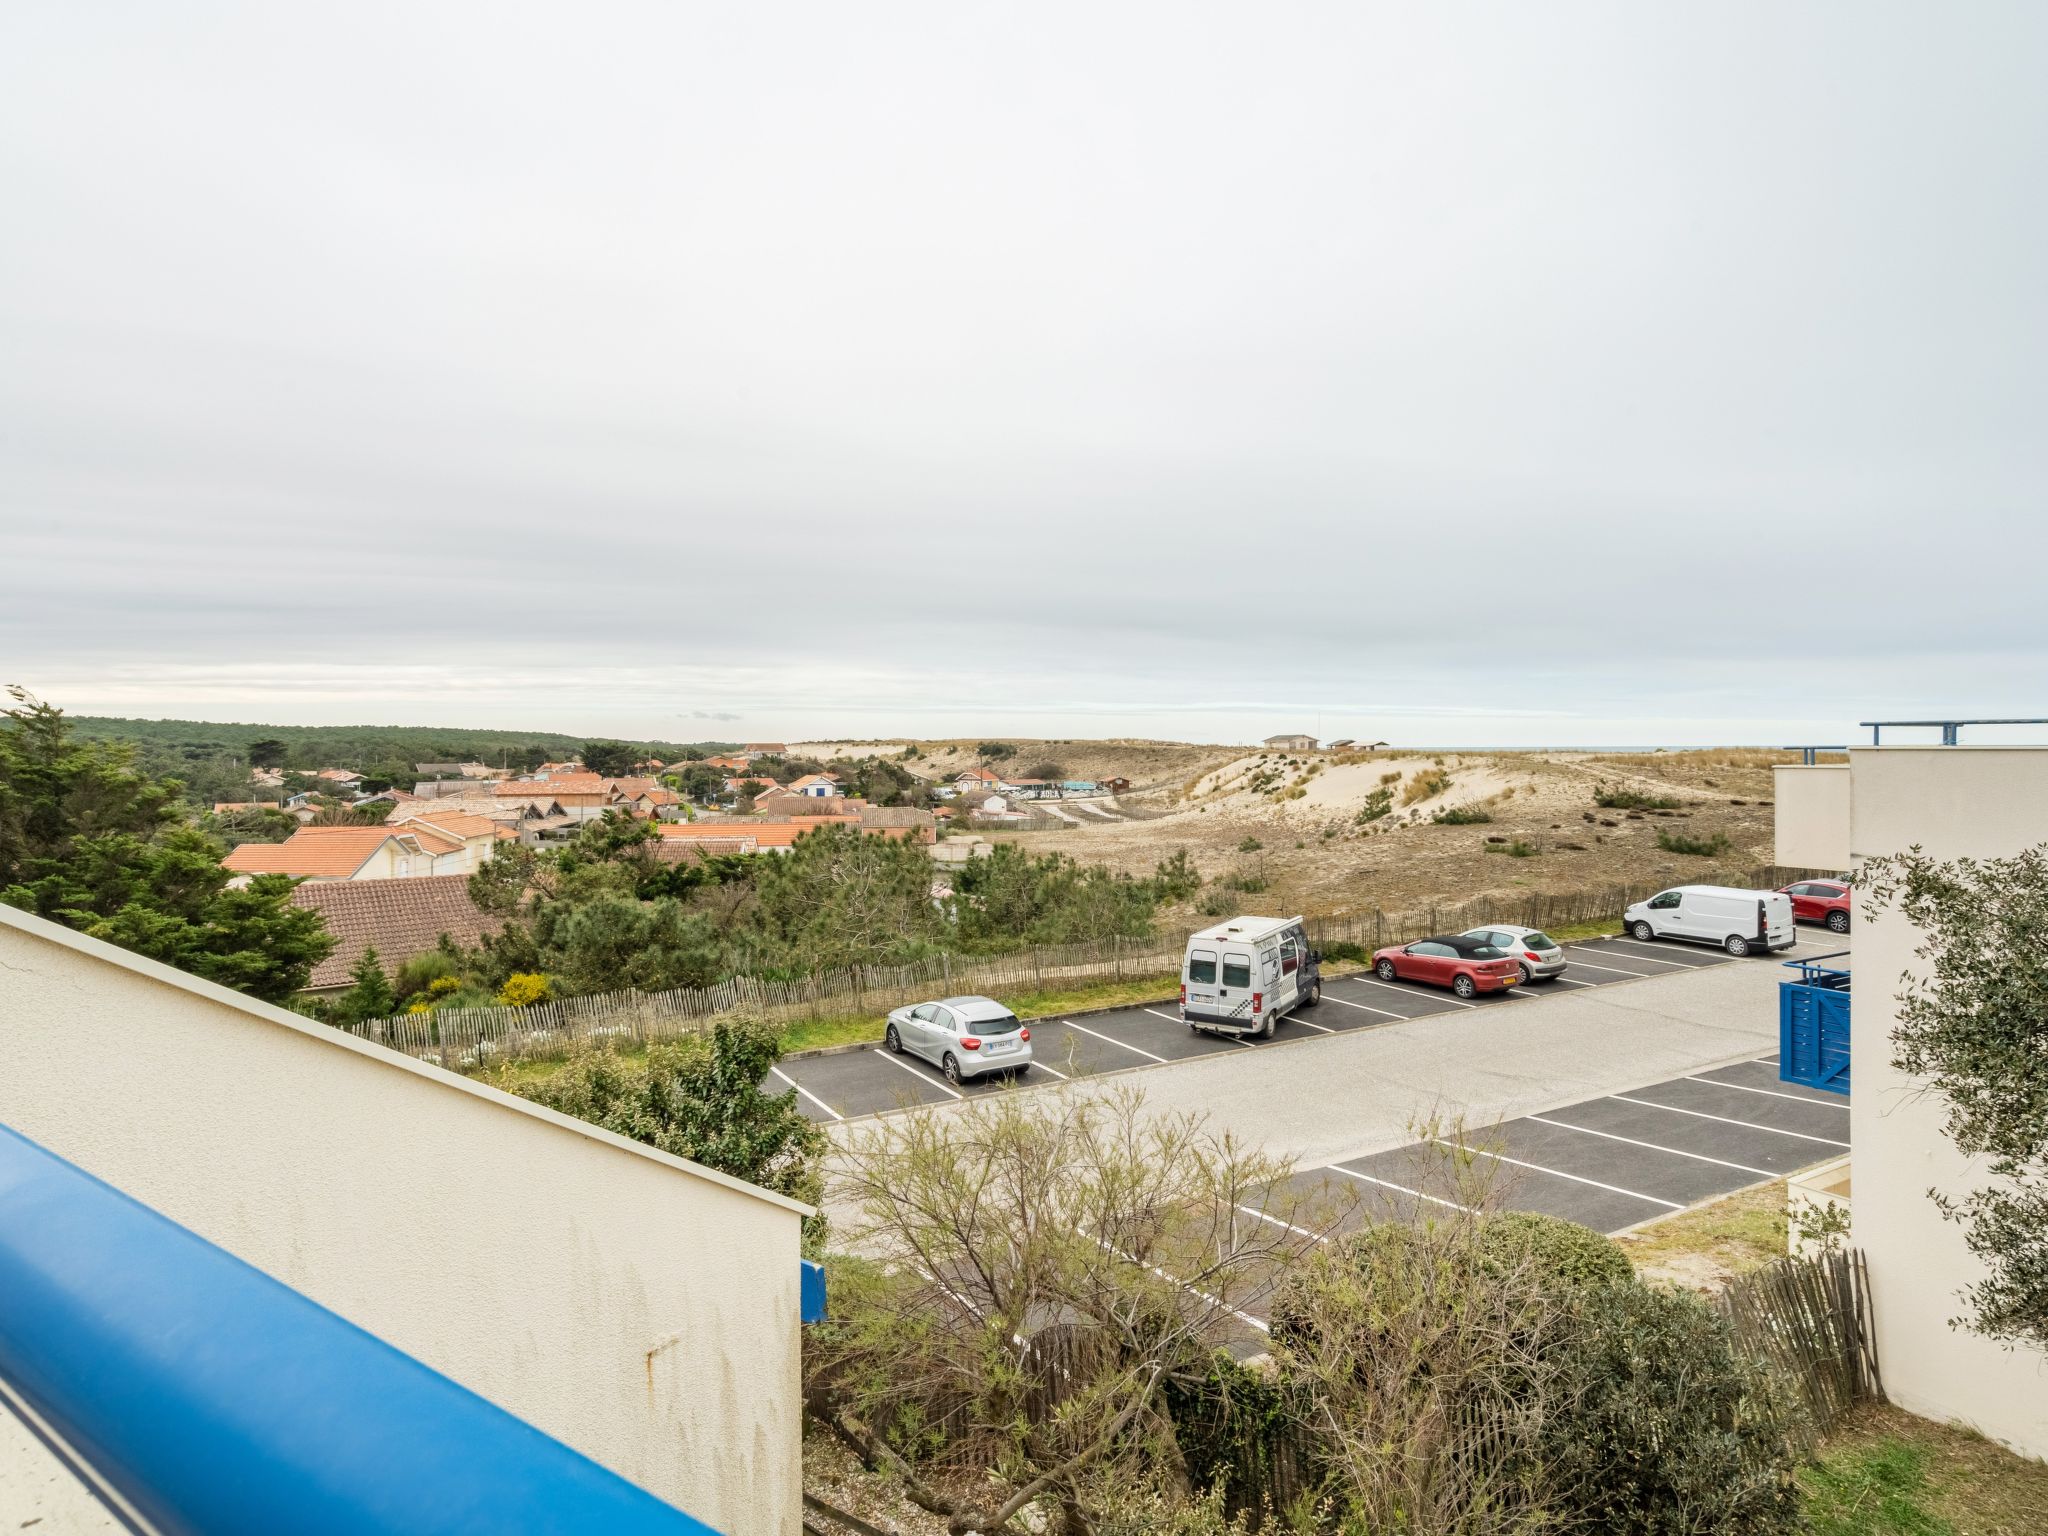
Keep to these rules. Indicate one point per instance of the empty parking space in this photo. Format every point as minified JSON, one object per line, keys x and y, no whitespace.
{"x":1620,"y":1159}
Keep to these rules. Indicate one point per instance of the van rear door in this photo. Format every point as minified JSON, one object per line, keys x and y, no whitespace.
{"x":1199,"y":982}
{"x":1234,"y":989}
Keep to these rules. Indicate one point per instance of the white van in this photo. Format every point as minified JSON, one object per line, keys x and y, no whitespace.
{"x":1239,"y":977}
{"x":1737,"y":921}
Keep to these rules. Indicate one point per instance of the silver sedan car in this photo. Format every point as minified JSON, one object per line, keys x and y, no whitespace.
{"x":1538,"y":954}
{"x":963,"y":1037}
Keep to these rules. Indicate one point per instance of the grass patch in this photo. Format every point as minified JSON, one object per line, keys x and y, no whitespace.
{"x":1613,"y":797}
{"x":1744,"y":1231}
{"x":1885,"y":1473}
{"x":1515,"y":850}
{"x":854,"y":1028}
{"x":1701,"y":847}
{"x":1599,"y":928}
{"x":1250,"y":845}
{"x":1426,"y":785}
{"x":1462,"y":816}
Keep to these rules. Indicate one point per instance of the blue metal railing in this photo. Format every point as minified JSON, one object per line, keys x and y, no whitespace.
{"x":216,"y":1400}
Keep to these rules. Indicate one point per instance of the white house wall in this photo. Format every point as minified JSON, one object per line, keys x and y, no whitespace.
{"x":1812,"y":820}
{"x":639,"y":1308}
{"x":1953,"y":802}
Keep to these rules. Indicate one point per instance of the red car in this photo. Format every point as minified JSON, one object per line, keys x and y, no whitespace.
{"x":1465,"y":965}
{"x":1820,"y":901}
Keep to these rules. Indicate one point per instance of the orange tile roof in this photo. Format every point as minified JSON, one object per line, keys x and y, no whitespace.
{"x":560,"y":784}
{"x":457,"y":824}
{"x":765,"y":834}
{"x":316,"y":852}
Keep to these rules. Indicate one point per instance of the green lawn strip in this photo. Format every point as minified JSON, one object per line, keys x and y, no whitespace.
{"x":1884,"y":1472}
{"x":856,"y":1028}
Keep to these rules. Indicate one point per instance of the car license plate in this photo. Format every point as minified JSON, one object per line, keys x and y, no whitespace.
{"x":996,"y":1047}
{"x":1509,"y":981}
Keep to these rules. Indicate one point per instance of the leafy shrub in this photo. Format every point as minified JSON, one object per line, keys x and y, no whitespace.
{"x":1377,"y":805}
{"x":1227,"y":1419}
{"x":1047,"y":769}
{"x":1462,"y":816}
{"x":1615,"y":798}
{"x":1702,"y":847}
{"x":1250,"y":845}
{"x":1561,"y":1250}
{"x":523,"y":989}
{"x":994,"y":751}
{"x":1249,"y":882}
{"x":1514,"y":850}
{"x":1663,"y":1426}
{"x":1426,"y":785}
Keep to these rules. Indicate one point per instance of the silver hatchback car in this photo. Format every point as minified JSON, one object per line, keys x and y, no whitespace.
{"x":964,"y":1037}
{"x":1539,"y":955}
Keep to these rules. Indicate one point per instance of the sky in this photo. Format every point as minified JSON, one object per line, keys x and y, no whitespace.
{"x":1458,"y":375}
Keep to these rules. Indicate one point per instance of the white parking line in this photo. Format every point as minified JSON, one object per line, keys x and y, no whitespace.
{"x":800,"y":1088}
{"x":1747,"y":1125}
{"x":1643,"y":959}
{"x":1112,"y":1040}
{"x":1055,"y":1071}
{"x":1613,"y":1189}
{"x":894,"y":1060}
{"x":1310,"y":1024}
{"x":1698,"y":1157}
{"x":1157,"y":1015}
{"x":1331,"y":997}
{"x":1288,"y":1225}
{"x":1566,"y":981}
{"x":1402,"y":1188}
{"x":1769,"y":1093}
{"x":1612,"y":970}
{"x":1389,"y":986}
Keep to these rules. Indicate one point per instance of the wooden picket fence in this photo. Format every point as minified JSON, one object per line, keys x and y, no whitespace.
{"x":1809,"y":1319}
{"x":470,"y":1037}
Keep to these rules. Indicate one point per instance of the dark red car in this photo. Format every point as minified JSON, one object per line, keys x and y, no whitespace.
{"x":1820,"y":901}
{"x":1465,"y":965}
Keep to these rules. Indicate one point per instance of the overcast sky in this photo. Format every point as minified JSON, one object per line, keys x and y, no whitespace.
{"x":1460,"y":374}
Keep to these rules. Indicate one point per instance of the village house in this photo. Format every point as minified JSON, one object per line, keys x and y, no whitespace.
{"x":353,"y":853}
{"x":1295,"y":742}
{"x":397,"y":918}
{"x":579,"y":796}
{"x":978,"y":778}
{"x":343,"y":776}
{"x":819,"y":785}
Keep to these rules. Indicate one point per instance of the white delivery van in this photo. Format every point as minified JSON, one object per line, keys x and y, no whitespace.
{"x":1735,"y":920}
{"x":1239,"y":977}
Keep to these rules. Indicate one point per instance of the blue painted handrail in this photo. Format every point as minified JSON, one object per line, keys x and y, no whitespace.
{"x":219,"y":1402}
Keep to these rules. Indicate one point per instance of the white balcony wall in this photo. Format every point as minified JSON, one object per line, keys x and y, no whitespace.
{"x":640,"y":1308}
{"x":1812,"y":816}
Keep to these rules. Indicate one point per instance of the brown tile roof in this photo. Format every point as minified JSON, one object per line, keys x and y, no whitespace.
{"x":402,"y":918}
{"x":326,"y":852}
{"x":556,"y":784}
{"x":680,"y":850}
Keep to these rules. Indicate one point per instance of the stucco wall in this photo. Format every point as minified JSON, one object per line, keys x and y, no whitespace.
{"x":1812,"y":818}
{"x":1953,"y":801}
{"x":642,"y":1310}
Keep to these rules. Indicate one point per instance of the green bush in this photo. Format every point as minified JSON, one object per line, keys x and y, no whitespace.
{"x":1248,"y":882}
{"x":1663,"y":1428}
{"x":1515,"y":850}
{"x":1561,"y":1250}
{"x":1462,"y":816}
{"x":1250,"y":845}
{"x":1377,"y":805}
{"x":1227,"y":1419}
{"x":1614,"y":798}
{"x":1702,"y":847}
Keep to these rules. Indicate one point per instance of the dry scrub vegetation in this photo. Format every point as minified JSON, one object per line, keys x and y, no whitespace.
{"x":1345,"y":831}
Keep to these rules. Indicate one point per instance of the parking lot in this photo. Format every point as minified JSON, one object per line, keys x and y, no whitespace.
{"x":1618,"y":1160}
{"x":849,"y":1084}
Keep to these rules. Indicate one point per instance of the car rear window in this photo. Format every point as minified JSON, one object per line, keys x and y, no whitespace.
{"x":1202,"y":967}
{"x":1237,"y":970}
{"x":1005,"y":1024}
{"x":1539,"y":941}
{"x":1485,"y":952}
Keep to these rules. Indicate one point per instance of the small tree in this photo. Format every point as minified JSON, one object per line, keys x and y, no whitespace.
{"x":1970,"y":1026}
{"x":1048,"y":1265}
{"x":1046,"y":769}
{"x":995,"y":751}
{"x":370,"y":994}
{"x":267,"y":753}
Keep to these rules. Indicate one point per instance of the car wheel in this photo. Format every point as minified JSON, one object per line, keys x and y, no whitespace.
{"x":1267,"y":1025}
{"x":1838,"y":922}
{"x":1463,"y":986}
{"x":1644,"y":932}
{"x":1385,"y":970}
{"x":1023,"y":1072}
{"x":1527,"y":975}
{"x":893,"y":1040}
{"x":1315,"y":994}
{"x":951,"y":1068}
{"x":1737,"y":945}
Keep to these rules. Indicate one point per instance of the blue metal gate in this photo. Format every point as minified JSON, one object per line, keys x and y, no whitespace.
{"x":1813,"y":1025}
